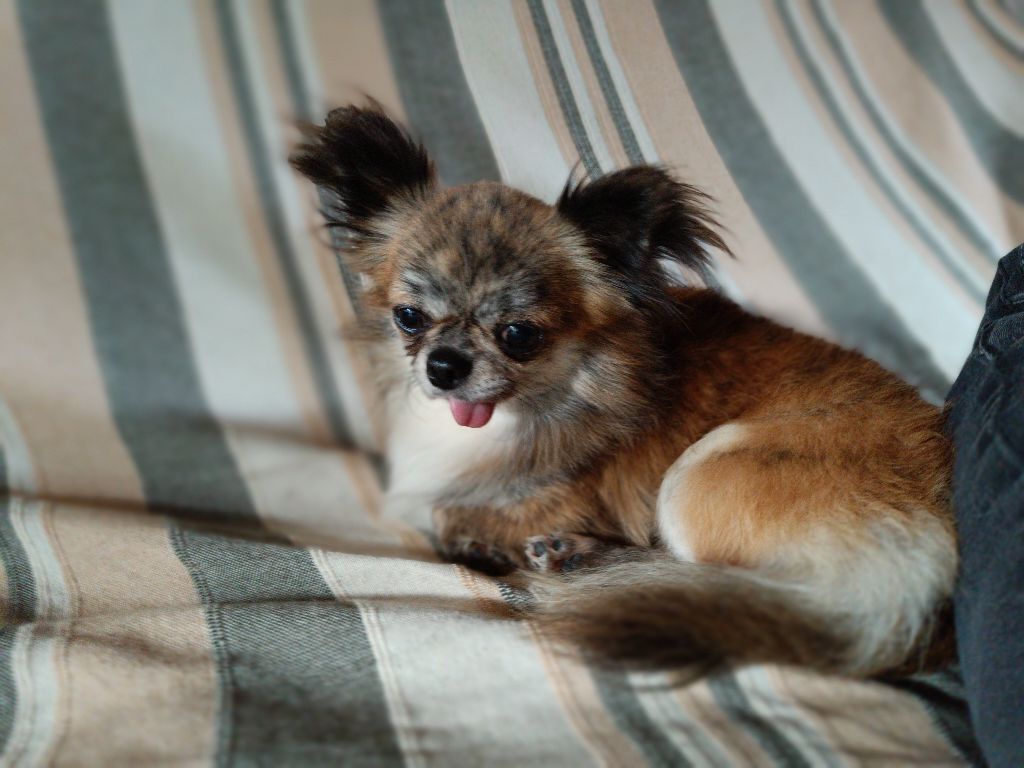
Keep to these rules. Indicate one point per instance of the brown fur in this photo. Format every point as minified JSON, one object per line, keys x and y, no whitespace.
{"x":632,"y":373}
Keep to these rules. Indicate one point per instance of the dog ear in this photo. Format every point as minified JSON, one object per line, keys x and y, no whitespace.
{"x":369,"y":162}
{"x":637,"y":215}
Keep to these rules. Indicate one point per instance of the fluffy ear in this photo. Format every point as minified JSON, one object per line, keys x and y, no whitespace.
{"x":368,"y":161}
{"x":634,"y":216}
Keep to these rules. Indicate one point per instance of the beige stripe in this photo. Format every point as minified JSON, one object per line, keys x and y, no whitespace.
{"x":367,"y":54}
{"x":920,"y":111}
{"x":698,"y":702}
{"x":246,"y":192}
{"x":682,"y":142}
{"x":976,"y":260}
{"x":881,"y":200}
{"x":573,"y":686}
{"x":351,"y":54}
{"x":137,"y":650}
{"x":604,"y":117}
{"x":62,"y":633}
{"x":452,"y":662}
{"x":315,"y":261}
{"x":581,"y":700}
{"x":356,"y":467}
{"x":281,"y":456}
{"x":49,"y":377}
{"x":545,"y":86}
{"x":995,"y":86}
{"x":1002,"y":18}
{"x":865,"y":721}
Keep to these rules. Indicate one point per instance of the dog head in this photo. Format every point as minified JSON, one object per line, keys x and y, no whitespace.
{"x":496,"y":296}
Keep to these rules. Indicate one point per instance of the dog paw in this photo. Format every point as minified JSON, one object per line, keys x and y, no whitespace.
{"x":480,"y":557}
{"x":561,"y":552}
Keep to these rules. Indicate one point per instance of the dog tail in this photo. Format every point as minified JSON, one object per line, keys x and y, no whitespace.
{"x":662,"y":614}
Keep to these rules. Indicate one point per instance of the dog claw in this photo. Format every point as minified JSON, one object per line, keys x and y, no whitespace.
{"x":481,"y":557}
{"x":560,"y":552}
{"x":572,"y":563}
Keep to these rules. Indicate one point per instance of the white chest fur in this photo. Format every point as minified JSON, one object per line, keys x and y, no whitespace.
{"x":427,"y":451}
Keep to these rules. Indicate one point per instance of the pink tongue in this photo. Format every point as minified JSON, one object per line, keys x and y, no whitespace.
{"x":471,"y":414}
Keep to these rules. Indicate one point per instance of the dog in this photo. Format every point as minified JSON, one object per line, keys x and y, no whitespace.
{"x":690,"y":484}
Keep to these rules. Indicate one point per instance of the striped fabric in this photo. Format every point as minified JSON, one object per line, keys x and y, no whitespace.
{"x":196,"y":569}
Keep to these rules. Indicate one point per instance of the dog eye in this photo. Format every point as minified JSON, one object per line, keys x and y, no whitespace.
{"x":411,"y":320}
{"x":520,"y":339}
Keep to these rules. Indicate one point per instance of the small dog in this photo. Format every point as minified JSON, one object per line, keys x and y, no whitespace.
{"x":557,"y":398}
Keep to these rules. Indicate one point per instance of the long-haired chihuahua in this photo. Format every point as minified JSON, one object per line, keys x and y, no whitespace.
{"x":701,"y":484}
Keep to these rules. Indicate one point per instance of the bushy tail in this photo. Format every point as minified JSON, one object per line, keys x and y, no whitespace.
{"x":662,"y":614}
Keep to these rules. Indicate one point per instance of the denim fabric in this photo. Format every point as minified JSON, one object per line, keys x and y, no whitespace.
{"x":986,"y":423}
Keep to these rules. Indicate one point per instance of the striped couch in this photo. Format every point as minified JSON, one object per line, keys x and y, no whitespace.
{"x":196,"y":568}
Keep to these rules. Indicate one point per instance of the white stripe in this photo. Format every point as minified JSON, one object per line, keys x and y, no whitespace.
{"x":356,"y":409}
{"x":36,"y":646}
{"x":693,"y":739}
{"x":996,"y":25}
{"x":579,"y":93}
{"x":721,"y":263}
{"x":951,"y":191}
{"x":21,"y":476}
{"x":967,"y":270}
{"x":898,"y":271}
{"x":999,"y":90}
{"x":621,"y":83}
{"x":298,"y":15}
{"x":463,"y":687}
{"x":51,"y":595}
{"x":225,"y":301}
{"x":33,"y":664}
{"x":499,"y":77}
{"x":293,"y":194}
{"x":767,"y":703}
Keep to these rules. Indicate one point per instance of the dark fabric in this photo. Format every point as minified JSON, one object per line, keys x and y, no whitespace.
{"x":987,"y":425}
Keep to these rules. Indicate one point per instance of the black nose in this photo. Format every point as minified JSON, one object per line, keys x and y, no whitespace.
{"x":447,"y":368}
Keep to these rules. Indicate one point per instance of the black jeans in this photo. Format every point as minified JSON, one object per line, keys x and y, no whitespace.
{"x":986,"y":423}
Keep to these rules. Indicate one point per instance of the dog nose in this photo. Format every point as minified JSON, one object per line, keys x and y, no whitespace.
{"x":447,"y":368}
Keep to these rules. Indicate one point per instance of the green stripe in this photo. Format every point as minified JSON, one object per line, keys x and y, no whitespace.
{"x":733,"y":701}
{"x":279,"y":638}
{"x":134,"y":310}
{"x":961,"y":217}
{"x":1000,"y":151}
{"x":302,"y":103}
{"x":841,"y":292}
{"x":1005,"y":40}
{"x":619,"y":697}
{"x":623,"y":703}
{"x":967,"y":280}
{"x":1013,"y":7}
{"x":21,"y":607}
{"x":607,"y":85}
{"x":305,"y":683}
{"x":21,"y":586}
{"x":261,"y":160}
{"x":434,"y":91}
{"x":8,"y":688}
{"x":566,"y":100}
{"x":20,"y":602}
{"x":621,"y":120}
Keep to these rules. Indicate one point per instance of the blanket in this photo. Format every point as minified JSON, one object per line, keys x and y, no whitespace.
{"x":196,"y":565}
